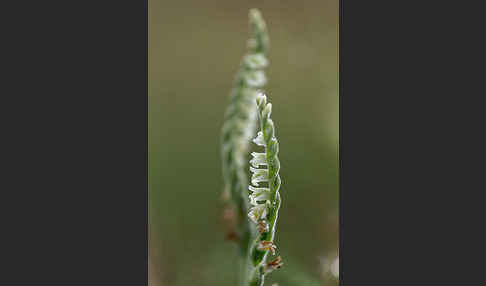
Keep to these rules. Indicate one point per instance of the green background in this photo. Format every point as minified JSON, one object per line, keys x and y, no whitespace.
{"x":195,"y":48}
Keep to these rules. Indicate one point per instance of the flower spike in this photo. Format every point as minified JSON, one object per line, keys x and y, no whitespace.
{"x":268,"y":196}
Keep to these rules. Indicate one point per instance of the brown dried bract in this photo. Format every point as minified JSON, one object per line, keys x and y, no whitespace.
{"x":232,"y":236}
{"x":272,"y":265}
{"x":267,"y":245}
{"x":262,"y":226}
{"x":277,"y":263}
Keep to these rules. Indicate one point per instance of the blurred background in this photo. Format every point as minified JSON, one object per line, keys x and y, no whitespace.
{"x":195,"y":48}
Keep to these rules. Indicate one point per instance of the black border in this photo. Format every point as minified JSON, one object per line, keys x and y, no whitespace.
{"x":410,"y":219}
{"x":76,"y":191}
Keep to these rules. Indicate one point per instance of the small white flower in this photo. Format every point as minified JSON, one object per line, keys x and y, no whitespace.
{"x":259,"y":175}
{"x":259,"y":139}
{"x":254,"y":199}
{"x":255,"y":78}
{"x":256,"y":61}
{"x":267,"y":110}
{"x":259,"y":194}
{"x":257,"y":190}
{"x":261,"y":99}
{"x":257,"y":212}
{"x":259,"y":159}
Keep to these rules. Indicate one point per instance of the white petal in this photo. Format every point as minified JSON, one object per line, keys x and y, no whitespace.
{"x":255,"y":78}
{"x":259,"y":159}
{"x":253,"y":202}
{"x":259,"y":139}
{"x":256,"y":61}
{"x":253,"y":215}
{"x":267,"y":110}
{"x":259,"y":211}
{"x":259,"y":175}
{"x":261,"y":99}
{"x":262,"y":195}
{"x":257,"y":190}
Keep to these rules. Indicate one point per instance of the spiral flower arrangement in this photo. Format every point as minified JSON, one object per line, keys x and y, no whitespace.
{"x":265,"y":200}
{"x":238,"y":129}
{"x":251,"y":210}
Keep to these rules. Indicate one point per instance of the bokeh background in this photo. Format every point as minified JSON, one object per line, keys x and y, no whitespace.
{"x":195,"y":48}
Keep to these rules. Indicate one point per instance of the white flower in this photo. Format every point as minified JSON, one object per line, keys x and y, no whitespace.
{"x":259,"y":175}
{"x":259,"y":139}
{"x":259,"y":159}
{"x":267,"y":111}
{"x":255,"y":78}
{"x":258,"y":190}
{"x":259,"y":194}
{"x":261,"y":99}
{"x":256,"y":61}
{"x":257,"y":212}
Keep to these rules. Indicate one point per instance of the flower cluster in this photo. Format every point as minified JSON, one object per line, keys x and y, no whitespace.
{"x":261,"y":196}
{"x":239,"y":127}
{"x":241,"y":118}
{"x":264,"y":192}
